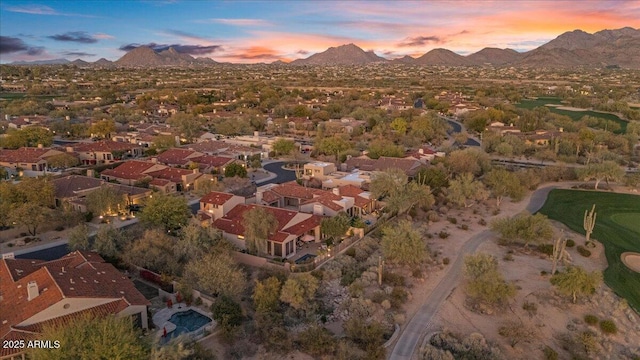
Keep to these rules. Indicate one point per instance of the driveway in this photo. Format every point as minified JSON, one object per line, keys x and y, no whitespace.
{"x":421,"y":323}
{"x":282,"y":175}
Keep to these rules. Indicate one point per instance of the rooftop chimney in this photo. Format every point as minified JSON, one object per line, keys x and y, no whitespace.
{"x":40,"y":146}
{"x":32,"y":290}
{"x":336,"y":190}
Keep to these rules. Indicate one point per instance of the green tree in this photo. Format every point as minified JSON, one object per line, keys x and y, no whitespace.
{"x":525,"y":228}
{"x":332,"y":146}
{"x":470,"y":160}
{"x":403,"y":245}
{"x":154,"y":251}
{"x":266,"y":295}
{"x":258,"y":225}
{"x":335,"y":226}
{"x":63,"y":160}
{"x":317,"y":341}
{"x":164,"y":142}
{"x":399,"y":125}
{"x":283,"y":146}
{"x":106,"y":200}
{"x":166,"y":211}
{"x":368,"y":336}
{"x":85,"y":338}
{"x":433,"y":176}
{"x":387,"y":182}
{"x":31,"y":136}
{"x":235,"y":169}
{"x":465,"y":191}
{"x":227,"y":313}
{"x":607,"y":170}
{"x":31,"y":215}
{"x":103,"y":129}
{"x":188,"y":124}
{"x":299,"y":291}
{"x":504,"y":183}
{"x":195,"y":241}
{"x":384,"y":147}
{"x":216,"y":274}
{"x":412,"y":194}
{"x":39,"y":191}
{"x":110,"y":242}
{"x":576,"y":282}
{"x":485,"y":283}
{"x":79,"y":238}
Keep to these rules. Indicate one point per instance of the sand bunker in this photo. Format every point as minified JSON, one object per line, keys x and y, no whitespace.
{"x":631,"y":260}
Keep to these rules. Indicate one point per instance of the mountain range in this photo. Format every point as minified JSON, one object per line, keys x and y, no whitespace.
{"x":620,"y":47}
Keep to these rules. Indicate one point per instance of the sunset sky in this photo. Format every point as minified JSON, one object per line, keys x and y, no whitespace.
{"x":265,"y":31}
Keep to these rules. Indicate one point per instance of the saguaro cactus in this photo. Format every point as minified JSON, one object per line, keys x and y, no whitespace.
{"x":380,"y":270}
{"x":559,"y":253}
{"x":588,"y":223}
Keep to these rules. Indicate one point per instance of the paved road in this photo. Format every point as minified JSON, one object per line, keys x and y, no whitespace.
{"x":282,"y":175}
{"x":421,"y":323}
{"x":457,"y":127}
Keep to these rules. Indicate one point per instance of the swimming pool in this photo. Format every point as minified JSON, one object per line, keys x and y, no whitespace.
{"x":305,"y":258}
{"x":187,"y":321}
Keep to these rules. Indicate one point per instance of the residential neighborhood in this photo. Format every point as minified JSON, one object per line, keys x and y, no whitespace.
{"x":342,"y":206}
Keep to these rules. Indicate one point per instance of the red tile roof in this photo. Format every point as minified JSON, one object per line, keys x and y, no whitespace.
{"x":69,"y":186}
{"x":76,"y":275}
{"x":232,"y":222}
{"x":131,"y":170}
{"x":216,"y":198}
{"x":25,"y":154}
{"x":171,"y":174}
{"x":176,"y":156}
{"x":211,"y":160}
{"x":105,"y":146}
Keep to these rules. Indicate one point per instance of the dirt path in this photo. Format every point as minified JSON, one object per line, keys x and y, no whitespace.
{"x":421,"y":322}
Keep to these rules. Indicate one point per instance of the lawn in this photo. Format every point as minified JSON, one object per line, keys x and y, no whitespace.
{"x":617,"y":228}
{"x":574,"y":115}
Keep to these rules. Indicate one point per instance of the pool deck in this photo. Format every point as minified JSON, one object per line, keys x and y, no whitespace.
{"x":161,"y":318}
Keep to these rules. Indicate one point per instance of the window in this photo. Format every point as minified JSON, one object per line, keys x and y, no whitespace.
{"x":241,"y":237}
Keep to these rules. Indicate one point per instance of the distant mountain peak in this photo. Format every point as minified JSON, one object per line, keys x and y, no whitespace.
{"x":348,"y":54}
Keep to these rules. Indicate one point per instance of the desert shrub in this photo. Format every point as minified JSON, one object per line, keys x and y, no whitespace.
{"x":443,"y":234}
{"x":432,"y":216}
{"x":446,"y":261}
{"x":543,"y":273}
{"x":464,"y":227}
{"x":549,"y":353}
{"x":59,"y":228}
{"x":452,"y":220}
{"x":591,"y":319}
{"x":392,"y":279}
{"x":530,"y":307}
{"x":583,"y":251}
{"x":570,"y":243}
{"x":316,"y":341}
{"x":546,"y":249}
{"x":350,"y":252}
{"x":473,"y":346}
{"x":398,"y":297}
{"x":608,"y":327}
{"x":417,"y":273}
{"x":378,"y":297}
{"x":482,"y":222}
{"x":508,"y":257}
{"x":369,"y":337}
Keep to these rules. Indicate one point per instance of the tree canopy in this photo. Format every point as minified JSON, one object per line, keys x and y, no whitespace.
{"x":258,"y":225}
{"x":524,"y":228}
{"x":166,"y":211}
{"x":576,"y":282}
{"x":402,"y":244}
{"x":85,"y":338}
{"x":235,"y":169}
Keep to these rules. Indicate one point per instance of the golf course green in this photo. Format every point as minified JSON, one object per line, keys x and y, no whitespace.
{"x":617,"y":228}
